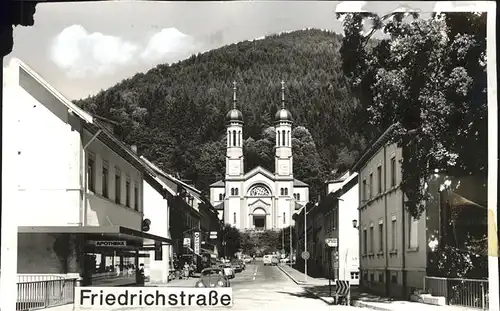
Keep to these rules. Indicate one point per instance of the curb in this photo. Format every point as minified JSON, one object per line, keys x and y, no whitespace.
{"x":306,"y":289}
{"x":360,"y":304}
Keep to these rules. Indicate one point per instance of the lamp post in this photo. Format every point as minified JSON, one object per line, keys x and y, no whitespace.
{"x":305,"y":241}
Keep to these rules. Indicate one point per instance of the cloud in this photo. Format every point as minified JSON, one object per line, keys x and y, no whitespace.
{"x":80,"y":53}
{"x":169,"y":42}
{"x":83,"y":54}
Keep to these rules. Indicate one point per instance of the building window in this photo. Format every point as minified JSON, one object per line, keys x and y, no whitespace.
{"x":394,"y":278}
{"x":235,"y":191}
{"x":232,"y":191}
{"x":372,"y":239}
{"x":278,"y":138}
{"x":354,"y":275}
{"x":284,"y":219}
{"x":412,"y":232}
{"x":234,"y":218}
{"x":220,"y":197}
{"x":365,"y":241}
{"x":90,"y":175}
{"x":118,"y":188}
{"x":239,"y":138}
{"x":136,"y":198}
{"x":105,"y":181}
{"x":282,"y":191}
{"x":372,"y":277}
{"x":381,"y":277}
{"x":286,"y":191}
{"x":288,"y":139}
{"x":283,"y":138}
{"x":298,"y":196}
{"x":370,"y":185}
{"x":381,"y":236}
{"x":234,"y":138}
{"x":393,"y":234}
{"x":393,"y":171}
{"x":379,"y":177}
{"x":365,"y":191}
{"x":127,"y":193}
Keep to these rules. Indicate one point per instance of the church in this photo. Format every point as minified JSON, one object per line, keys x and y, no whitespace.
{"x":259,"y":199}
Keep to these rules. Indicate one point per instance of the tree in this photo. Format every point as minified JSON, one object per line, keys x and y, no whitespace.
{"x":269,"y":241}
{"x":428,"y":76}
{"x":230,"y":239}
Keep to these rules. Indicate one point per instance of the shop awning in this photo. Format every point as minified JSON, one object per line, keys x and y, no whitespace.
{"x":100,"y":233}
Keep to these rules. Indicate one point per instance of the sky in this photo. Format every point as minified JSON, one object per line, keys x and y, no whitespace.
{"x":83,"y":47}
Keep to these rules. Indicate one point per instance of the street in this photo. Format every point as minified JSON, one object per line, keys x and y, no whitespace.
{"x":261,"y":287}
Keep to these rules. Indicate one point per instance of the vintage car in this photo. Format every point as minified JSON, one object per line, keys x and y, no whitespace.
{"x":213,"y":277}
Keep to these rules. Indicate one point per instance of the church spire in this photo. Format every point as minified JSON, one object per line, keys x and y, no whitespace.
{"x":282,"y":94}
{"x":234,"y":94}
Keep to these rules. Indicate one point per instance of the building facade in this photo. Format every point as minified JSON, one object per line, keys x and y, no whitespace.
{"x":258,"y":199}
{"x":77,"y":191}
{"x":332,"y":218}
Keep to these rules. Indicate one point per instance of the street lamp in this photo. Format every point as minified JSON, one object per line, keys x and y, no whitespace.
{"x":355,"y":224}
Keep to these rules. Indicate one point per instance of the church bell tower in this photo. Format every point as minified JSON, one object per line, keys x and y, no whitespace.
{"x":283,"y":124}
{"x":234,"y":154}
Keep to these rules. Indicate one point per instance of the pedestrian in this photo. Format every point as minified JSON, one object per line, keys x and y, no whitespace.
{"x":186,"y":270}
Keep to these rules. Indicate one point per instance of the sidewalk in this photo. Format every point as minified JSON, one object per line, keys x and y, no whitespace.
{"x":319,"y":288}
{"x":176,"y":282}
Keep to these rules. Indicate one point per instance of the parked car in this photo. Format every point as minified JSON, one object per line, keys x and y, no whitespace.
{"x":274,"y":260}
{"x":247,"y":259}
{"x":235,"y":264}
{"x":213,"y":277}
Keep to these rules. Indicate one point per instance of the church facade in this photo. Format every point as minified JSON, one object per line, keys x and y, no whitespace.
{"x":259,"y":199}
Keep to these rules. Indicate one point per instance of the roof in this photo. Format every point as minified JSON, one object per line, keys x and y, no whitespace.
{"x":299,"y":183}
{"x":71,"y":106}
{"x":92,"y":124}
{"x":219,"y":206}
{"x":373,"y":148}
{"x":218,"y":184}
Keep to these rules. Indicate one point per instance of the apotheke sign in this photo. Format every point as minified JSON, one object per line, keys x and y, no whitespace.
{"x":110,"y":243}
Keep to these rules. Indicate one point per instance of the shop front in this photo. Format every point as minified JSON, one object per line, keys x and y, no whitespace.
{"x":101,"y":255}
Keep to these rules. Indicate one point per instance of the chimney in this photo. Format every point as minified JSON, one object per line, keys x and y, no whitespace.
{"x":134,"y":148}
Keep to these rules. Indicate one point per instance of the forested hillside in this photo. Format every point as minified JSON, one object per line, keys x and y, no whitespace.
{"x":175,"y":113}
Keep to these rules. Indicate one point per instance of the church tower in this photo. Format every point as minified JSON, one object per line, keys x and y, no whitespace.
{"x":283,"y":160}
{"x":283,"y":207}
{"x":234,"y":166}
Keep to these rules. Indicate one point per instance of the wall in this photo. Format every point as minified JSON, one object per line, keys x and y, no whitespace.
{"x":214,"y":195}
{"x":47,"y":175}
{"x":102,"y":211}
{"x":157,"y":210}
{"x":349,"y":236}
{"x":304,"y":194}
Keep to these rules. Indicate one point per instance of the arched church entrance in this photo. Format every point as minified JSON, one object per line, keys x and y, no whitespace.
{"x":259,"y":219}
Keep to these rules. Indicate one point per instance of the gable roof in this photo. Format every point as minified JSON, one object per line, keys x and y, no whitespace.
{"x":91,"y":124}
{"x":374,"y":147}
{"x":299,"y":183}
{"x":257,"y":170}
{"x":218,"y":184}
{"x":219,"y":206}
{"x":46,"y":85}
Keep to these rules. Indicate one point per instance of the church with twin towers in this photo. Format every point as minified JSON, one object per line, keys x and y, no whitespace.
{"x":259,"y":199}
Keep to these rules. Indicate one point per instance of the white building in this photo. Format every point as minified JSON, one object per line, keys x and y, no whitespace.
{"x":258,"y":199}
{"x":68,"y":184}
{"x":346,"y":190}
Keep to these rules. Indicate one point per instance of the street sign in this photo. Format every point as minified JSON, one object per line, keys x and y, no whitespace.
{"x":305,"y":255}
{"x":197,"y":243}
{"x":110,"y":243}
{"x":187,"y":242}
{"x":331,"y":242}
{"x":342,"y":287}
{"x":213,"y":235}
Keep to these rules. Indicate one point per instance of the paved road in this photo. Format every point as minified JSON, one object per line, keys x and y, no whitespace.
{"x":264,"y":288}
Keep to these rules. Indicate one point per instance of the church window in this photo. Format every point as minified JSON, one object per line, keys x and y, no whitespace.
{"x":239,"y":138}
{"x":283,"y":138}
{"x":259,"y":190}
{"x":282,"y":191}
{"x":298,"y":196}
{"x":286,"y":191}
{"x":235,"y":191}
{"x":232,"y":191}
{"x":278,"y":138}
{"x":288,"y":139}
{"x":234,"y":218}
{"x":234,"y":138}
{"x":229,"y":139}
{"x":220,"y":196}
{"x":284,"y":218}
